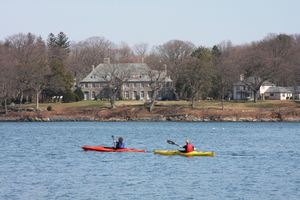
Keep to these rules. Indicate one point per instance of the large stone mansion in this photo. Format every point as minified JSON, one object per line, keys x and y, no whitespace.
{"x":137,"y":87}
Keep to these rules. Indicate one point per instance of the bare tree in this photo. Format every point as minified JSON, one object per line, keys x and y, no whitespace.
{"x":294,"y":69}
{"x":140,"y":50}
{"x":39,"y":70}
{"x":7,"y":76}
{"x":115,"y":76}
{"x":256,"y":69}
{"x":26,"y":51}
{"x":173,"y":53}
{"x":157,"y":74}
{"x":225,"y":69}
{"x":123,"y":54}
{"x":265,"y":60}
{"x":278,"y":54}
{"x":88,"y":53}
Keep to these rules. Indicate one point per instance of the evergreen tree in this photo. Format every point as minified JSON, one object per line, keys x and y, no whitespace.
{"x":58,"y":50}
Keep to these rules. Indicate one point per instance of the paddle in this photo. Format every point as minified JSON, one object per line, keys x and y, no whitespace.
{"x":173,"y":143}
{"x":114,"y":141}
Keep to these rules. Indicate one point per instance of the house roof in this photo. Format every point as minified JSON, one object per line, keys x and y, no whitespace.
{"x":294,"y":89}
{"x":139,"y":72}
{"x":265,"y":83}
{"x":268,"y":83}
{"x":278,"y":90}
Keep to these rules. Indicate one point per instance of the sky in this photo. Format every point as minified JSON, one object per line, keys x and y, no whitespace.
{"x":202,"y":22}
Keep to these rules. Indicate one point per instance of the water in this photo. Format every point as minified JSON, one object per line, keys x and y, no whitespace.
{"x":253,"y":161}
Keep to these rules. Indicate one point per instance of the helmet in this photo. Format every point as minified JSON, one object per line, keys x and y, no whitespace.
{"x":187,"y":141}
{"x":120,"y":139}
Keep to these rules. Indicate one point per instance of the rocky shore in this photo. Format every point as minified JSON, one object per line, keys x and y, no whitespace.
{"x":160,"y":114}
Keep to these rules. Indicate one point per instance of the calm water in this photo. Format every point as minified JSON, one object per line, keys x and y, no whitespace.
{"x":253,"y":161}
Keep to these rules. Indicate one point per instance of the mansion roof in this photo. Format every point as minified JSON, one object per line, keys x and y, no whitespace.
{"x":138,"y":72}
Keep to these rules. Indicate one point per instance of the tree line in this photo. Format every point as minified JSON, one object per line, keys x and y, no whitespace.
{"x":33,"y":69}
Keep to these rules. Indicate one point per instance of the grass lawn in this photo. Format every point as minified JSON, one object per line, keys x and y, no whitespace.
{"x":230,"y":105}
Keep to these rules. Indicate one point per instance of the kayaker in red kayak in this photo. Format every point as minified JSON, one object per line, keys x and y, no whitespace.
{"x":188,"y":147}
{"x":120,"y":143}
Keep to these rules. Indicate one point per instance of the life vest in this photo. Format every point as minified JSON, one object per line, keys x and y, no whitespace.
{"x":189,"y":148}
{"x":120,"y":145}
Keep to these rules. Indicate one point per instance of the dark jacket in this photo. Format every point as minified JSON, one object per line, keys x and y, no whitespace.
{"x":120,"y":145}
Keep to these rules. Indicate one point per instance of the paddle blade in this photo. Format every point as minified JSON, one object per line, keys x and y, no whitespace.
{"x":170,"y":142}
{"x":173,"y":143}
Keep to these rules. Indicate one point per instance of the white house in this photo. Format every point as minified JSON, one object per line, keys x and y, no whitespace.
{"x":278,"y":93}
{"x":267,"y":90}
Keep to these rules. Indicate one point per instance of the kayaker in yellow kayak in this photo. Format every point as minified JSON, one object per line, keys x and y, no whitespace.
{"x":188,"y":147}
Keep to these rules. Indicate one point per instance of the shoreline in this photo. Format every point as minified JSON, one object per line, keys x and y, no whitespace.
{"x":187,"y":118}
{"x":162,"y":113}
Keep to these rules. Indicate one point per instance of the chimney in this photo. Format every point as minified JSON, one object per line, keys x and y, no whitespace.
{"x":242,"y":77}
{"x":93,"y":67}
{"x":106,"y":60}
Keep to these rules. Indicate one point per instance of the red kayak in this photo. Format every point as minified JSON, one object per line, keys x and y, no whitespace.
{"x":109,"y":149}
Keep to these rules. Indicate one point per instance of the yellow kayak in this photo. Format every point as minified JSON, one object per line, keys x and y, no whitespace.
{"x":176,"y":152}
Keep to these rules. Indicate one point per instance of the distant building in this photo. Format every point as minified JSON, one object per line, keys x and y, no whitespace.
{"x":136,"y":88}
{"x":241,"y":91}
{"x":296,"y":92}
{"x":267,"y":90}
{"x":278,"y":93}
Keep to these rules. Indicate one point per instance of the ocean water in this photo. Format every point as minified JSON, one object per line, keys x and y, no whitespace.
{"x":252,"y":161}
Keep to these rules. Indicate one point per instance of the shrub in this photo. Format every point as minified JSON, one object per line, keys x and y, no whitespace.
{"x":69,"y":96}
{"x":79,"y":96}
{"x":49,"y":108}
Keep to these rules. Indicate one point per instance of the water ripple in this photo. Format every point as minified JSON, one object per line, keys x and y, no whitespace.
{"x":253,"y":161}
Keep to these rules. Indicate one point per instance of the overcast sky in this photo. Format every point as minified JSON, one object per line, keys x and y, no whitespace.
{"x":203,"y":22}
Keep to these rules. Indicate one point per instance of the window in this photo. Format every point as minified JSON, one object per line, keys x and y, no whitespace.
{"x":93,"y":85}
{"x":86,"y":85}
{"x":93,"y":95}
{"x":135,"y":85}
{"x":142,"y":94}
{"x":142,"y":85}
{"x":159,"y":93}
{"x":86,"y":96}
{"x":134,"y":95}
{"x":126,"y":95}
{"x":271,"y":94}
{"x":149,"y":95}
